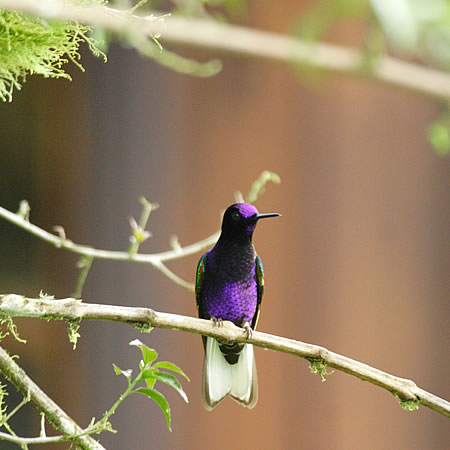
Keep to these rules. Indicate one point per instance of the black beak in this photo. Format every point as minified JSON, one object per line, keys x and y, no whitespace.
{"x":267,"y":215}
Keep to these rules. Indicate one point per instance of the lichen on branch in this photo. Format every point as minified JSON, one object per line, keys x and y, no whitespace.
{"x":32,"y":45}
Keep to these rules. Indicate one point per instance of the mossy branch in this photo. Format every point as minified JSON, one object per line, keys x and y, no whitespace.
{"x":56,"y":415}
{"x":41,"y":37}
{"x":237,"y":40}
{"x":31,"y":45}
{"x":70,"y":309}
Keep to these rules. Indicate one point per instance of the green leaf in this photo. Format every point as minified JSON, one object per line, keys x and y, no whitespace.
{"x":126,"y":373}
{"x":148,"y":354}
{"x":439,"y":137}
{"x":170,"y":366}
{"x":159,"y":399}
{"x":149,"y":376}
{"x":171,"y":381}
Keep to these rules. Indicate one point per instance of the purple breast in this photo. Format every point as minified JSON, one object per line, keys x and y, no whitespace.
{"x":232,"y":300}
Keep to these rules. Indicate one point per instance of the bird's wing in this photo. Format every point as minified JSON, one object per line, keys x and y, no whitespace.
{"x":259,"y":274}
{"x":199,"y":282}
{"x":201,"y":267}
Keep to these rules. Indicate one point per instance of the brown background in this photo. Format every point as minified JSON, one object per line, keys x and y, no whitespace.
{"x":358,"y":262}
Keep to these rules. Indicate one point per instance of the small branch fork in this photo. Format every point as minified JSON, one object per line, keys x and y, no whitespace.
{"x":155,"y":259}
{"x":71,"y":309}
{"x":139,"y":235}
{"x":210,"y":35}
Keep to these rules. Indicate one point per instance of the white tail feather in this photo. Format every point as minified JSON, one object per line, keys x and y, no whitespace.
{"x":242,"y":375}
{"x":221,"y":378}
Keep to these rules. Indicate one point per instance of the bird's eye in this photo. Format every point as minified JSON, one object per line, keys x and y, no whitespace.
{"x":235,"y":216}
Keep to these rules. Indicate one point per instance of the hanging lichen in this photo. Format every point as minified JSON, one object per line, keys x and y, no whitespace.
{"x":30,"y":45}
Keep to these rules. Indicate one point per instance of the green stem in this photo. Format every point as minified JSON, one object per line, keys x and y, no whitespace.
{"x":25,"y":400}
{"x":58,"y":417}
{"x":86,"y":263}
{"x":147,"y":208}
{"x":102,"y":423}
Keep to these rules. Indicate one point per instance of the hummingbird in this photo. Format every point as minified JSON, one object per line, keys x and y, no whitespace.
{"x":229,"y":286}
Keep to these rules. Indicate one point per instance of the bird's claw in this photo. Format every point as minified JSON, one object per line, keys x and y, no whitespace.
{"x":247,"y":329}
{"x":217,"y":321}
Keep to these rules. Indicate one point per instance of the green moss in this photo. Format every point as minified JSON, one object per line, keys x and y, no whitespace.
{"x":11,"y":329}
{"x":407,"y":405}
{"x":144,"y":327}
{"x":318,"y":365}
{"x":44,"y":296}
{"x":3,"y":407}
{"x":72,"y":331}
{"x":30,"y":45}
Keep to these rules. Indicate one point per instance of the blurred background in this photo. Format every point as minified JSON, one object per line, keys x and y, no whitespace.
{"x":358,"y":262}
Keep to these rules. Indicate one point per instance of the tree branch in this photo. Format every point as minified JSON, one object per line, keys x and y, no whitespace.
{"x":155,"y":259}
{"x":210,"y":35}
{"x":33,"y":441}
{"x":56,"y":415}
{"x":59,"y":240}
{"x":70,"y":309}
{"x":84,"y":250}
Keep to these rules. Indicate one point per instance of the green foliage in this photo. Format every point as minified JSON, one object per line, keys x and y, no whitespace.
{"x":237,"y":8}
{"x":321,"y":17}
{"x":31,"y":45}
{"x":411,"y":28}
{"x":417,"y":29}
{"x":439,"y":135}
{"x":318,"y":365}
{"x":149,"y":373}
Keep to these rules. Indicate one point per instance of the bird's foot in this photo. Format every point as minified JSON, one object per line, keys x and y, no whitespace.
{"x":217,"y":321}
{"x":247,"y":329}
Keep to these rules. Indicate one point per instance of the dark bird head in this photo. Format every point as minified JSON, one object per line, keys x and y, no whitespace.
{"x":240,"y":219}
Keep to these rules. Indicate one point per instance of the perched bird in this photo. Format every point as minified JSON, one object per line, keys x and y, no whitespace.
{"x":229,"y":286}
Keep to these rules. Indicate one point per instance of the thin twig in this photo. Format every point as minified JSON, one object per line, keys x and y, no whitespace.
{"x":56,"y":415}
{"x":71,"y":309}
{"x":211,"y":35}
{"x":139,"y":234}
{"x":154,"y":259}
{"x":174,"y":277}
{"x":84,"y":265}
{"x":24,"y":401}
{"x":32,"y":440}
